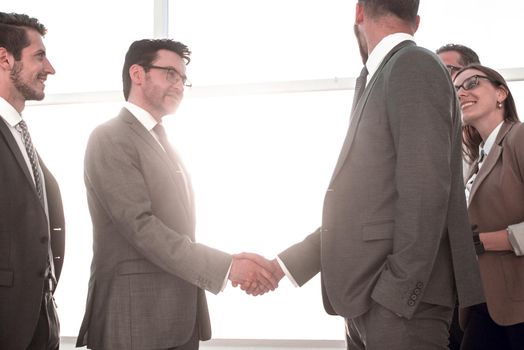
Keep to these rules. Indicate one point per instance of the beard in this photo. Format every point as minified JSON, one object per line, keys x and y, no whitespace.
{"x":28,"y":92}
{"x":362,"y":44}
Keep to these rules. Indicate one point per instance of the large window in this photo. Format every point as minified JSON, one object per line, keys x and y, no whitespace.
{"x":260,"y":132}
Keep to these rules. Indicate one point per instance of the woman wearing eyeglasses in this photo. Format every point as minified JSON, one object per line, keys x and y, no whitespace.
{"x":494,"y":143}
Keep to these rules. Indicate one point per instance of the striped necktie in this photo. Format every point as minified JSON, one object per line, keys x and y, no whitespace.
{"x":33,"y":158}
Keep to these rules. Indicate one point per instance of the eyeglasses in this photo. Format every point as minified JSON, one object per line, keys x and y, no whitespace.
{"x":472,"y":82}
{"x":452,"y":69}
{"x":172,"y":75}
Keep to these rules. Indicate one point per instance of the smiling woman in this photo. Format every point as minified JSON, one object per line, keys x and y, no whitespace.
{"x":259,"y":131}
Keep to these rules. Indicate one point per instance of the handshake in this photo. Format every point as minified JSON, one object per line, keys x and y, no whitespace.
{"x":255,"y":274}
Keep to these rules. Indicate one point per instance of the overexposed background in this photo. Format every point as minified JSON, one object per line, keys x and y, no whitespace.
{"x":259,"y":132}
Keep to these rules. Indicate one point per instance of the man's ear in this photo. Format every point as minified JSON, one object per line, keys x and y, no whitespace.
{"x":7,"y":60}
{"x":137,"y":74}
{"x":359,"y":13}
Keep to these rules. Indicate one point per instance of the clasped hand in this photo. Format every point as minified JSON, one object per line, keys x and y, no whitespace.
{"x":255,"y":274}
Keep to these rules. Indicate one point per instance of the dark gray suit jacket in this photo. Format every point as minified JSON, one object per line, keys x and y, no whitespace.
{"x":148,"y":275}
{"x":24,"y":239}
{"x":394,"y":226}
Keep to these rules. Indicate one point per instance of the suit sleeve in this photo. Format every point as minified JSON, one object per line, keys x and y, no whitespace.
{"x":419,"y":100}
{"x":516,"y":231}
{"x":302,"y":260}
{"x":118,"y":191}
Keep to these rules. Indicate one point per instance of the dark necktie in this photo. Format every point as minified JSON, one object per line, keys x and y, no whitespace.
{"x":360,"y":85}
{"x":33,"y":158}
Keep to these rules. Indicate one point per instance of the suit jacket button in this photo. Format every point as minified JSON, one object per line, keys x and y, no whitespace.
{"x":413,"y":297}
{"x":420,"y":284}
{"x":416,"y":291}
{"x":411,"y":303}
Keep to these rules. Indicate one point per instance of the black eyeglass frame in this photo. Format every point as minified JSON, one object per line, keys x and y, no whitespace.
{"x":473,"y":81}
{"x":186,"y":82}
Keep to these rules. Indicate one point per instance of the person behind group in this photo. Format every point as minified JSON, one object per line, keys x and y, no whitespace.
{"x":494,"y":141}
{"x":456,"y":56}
{"x":394,"y":248}
{"x":148,"y":275}
{"x":32,"y":228}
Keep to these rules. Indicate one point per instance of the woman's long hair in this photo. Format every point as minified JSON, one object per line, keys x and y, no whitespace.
{"x":470,"y":136}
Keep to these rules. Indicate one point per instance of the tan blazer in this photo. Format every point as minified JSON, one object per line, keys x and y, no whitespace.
{"x":496,"y":201}
{"x":148,"y":275}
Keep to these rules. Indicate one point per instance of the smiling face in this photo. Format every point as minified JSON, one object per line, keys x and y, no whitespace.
{"x":161,"y":95}
{"x":480,"y":99}
{"x":30,"y":73}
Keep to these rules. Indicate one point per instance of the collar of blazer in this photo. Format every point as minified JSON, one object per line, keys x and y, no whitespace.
{"x":145,"y":135}
{"x":357,"y":112}
{"x":491,"y":159}
{"x":139,"y":129}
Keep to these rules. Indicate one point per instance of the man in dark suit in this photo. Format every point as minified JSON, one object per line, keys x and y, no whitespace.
{"x":31,"y":214}
{"x":395,"y":246}
{"x":148,"y":274}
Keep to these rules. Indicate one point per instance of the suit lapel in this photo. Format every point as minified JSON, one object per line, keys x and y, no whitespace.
{"x":13,"y":146}
{"x":356,"y":116}
{"x":170,"y":164}
{"x":491,"y":159}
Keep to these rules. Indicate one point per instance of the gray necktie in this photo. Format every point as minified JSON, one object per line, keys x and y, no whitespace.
{"x":360,"y":85}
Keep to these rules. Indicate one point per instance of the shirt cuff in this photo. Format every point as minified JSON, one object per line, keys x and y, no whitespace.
{"x":286,"y":271}
{"x":516,"y":238}
{"x":224,"y":284}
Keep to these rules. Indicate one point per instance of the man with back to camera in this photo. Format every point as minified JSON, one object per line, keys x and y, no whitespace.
{"x":394,"y":249}
{"x":31,"y":214}
{"x":148,"y":275}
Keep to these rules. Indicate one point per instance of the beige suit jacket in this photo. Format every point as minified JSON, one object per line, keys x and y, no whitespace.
{"x":497,"y":201}
{"x":148,"y":275}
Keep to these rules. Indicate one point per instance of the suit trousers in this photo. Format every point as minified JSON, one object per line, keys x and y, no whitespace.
{"x":47,"y":332}
{"x":381,"y":329}
{"x":482,"y":333}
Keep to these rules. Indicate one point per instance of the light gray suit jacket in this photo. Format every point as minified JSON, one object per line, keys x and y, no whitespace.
{"x":394,"y":226}
{"x":148,"y":275}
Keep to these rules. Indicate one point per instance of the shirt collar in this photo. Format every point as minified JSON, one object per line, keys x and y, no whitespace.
{"x":486,"y":147}
{"x":144,"y":117}
{"x":383,"y":48}
{"x":9,"y":113}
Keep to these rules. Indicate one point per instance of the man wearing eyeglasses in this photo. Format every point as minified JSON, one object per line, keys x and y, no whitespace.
{"x":148,"y":275}
{"x":456,"y":56}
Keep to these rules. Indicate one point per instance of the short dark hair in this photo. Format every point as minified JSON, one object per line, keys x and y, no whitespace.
{"x":12,"y":35}
{"x":406,"y":10}
{"x":470,"y":135}
{"x":467,"y":55}
{"x":144,"y":52}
